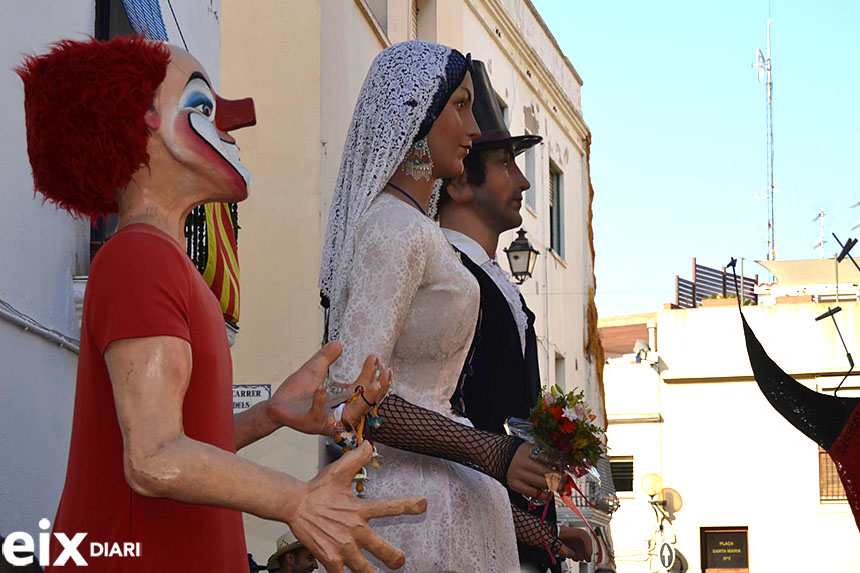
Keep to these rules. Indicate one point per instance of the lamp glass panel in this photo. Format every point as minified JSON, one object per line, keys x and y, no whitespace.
{"x":519,"y":262}
{"x":652,"y":484}
{"x":532,"y":258}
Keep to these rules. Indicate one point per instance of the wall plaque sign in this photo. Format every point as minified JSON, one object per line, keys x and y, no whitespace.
{"x":725,"y":548}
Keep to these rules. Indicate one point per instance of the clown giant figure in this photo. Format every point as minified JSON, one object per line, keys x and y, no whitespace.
{"x":134,"y":127}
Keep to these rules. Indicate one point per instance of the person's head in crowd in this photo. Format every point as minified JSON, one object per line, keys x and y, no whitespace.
{"x":291,"y":556}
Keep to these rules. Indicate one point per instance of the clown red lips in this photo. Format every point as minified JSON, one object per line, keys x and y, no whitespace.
{"x":193,"y":122}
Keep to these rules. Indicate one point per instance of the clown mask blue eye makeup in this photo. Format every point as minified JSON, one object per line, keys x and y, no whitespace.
{"x":198,"y":96}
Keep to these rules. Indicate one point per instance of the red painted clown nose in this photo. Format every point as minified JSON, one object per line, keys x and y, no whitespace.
{"x":234,"y":114}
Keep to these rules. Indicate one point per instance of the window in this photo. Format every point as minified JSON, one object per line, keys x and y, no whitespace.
{"x":829,"y":485}
{"x":111,"y":20}
{"x":622,"y":472}
{"x":559,"y":371}
{"x":556,"y":209}
{"x":531,"y":194}
{"x":379,"y":9}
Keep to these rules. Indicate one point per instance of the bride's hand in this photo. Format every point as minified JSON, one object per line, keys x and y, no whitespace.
{"x":371,"y":395}
{"x":527,"y":473}
{"x":578,"y":541}
{"x":300,"y":401}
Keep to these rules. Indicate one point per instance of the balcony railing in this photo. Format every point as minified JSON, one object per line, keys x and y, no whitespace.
{"x":712,"y":283}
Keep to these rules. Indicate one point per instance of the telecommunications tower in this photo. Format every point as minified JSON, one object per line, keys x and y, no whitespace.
{"x":763,"y":65}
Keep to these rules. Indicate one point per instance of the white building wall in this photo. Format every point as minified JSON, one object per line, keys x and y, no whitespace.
{"x":42,"y":249}
{"x":732,"y":457}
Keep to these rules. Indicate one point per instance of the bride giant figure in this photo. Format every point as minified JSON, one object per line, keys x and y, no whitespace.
{"x":396,"y":289}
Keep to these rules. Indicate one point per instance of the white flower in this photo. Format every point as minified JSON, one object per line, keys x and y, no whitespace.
{"x":570,"y":414}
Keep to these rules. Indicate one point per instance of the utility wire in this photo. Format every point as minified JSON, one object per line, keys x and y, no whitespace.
{"x":29,"y":324}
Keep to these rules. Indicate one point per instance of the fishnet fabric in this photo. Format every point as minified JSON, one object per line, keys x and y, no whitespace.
{"x":415,"y":429}
{"x":532,"y":531}
{"x":409,"y":427}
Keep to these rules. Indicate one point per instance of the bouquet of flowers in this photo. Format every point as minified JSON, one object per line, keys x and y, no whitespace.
{"x":562,"y":425}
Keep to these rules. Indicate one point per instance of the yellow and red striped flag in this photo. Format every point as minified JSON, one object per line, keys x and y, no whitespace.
{"x":222,"y":261}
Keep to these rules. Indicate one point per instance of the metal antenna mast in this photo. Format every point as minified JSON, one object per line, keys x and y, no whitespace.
{"x":764,"y":68}
{"x":819,"y":244}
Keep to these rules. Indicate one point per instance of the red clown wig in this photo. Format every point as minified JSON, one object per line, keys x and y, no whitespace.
{"x":84,"y":104}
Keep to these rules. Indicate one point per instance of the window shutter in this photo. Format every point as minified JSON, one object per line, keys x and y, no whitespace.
{"x":552,"y":183}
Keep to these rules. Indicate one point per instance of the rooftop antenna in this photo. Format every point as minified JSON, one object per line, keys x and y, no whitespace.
{"x":764,"y":69}
{"x":819,"y":244}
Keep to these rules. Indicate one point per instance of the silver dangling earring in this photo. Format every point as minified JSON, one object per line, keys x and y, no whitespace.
{"x":420,"y":166}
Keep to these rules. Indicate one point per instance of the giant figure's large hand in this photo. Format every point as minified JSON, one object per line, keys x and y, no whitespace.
{"x":332,"y":523}
{"x":527,"y":474}
{"x":578,"y":540}
{"x":300,"y":401}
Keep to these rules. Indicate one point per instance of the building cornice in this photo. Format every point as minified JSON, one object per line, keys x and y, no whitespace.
{"x":551,"y":37}
{"x":615,"y":419}
{"x":554,"y":99}
{"x":807,"y":378}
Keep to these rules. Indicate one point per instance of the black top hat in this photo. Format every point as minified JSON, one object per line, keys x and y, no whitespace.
{"x":488,"y":114}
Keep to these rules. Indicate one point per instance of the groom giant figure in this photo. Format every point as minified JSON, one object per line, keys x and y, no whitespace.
{"x":502,"y":379}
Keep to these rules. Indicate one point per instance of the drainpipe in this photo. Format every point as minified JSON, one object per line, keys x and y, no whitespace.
{"x":652,"y":336}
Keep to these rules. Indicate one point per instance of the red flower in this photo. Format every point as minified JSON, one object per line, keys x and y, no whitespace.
{"x":567,"y":426}
{"x":557,"y":412}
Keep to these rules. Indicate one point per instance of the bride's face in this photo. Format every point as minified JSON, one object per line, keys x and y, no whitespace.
{"x":452,"y":133}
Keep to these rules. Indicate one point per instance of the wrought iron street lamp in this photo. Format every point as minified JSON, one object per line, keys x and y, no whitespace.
{"x":521,"y":257}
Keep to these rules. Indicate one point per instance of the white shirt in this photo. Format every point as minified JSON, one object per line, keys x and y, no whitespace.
{"x":470,"y":247}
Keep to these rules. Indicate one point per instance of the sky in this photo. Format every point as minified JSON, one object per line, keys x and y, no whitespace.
{"x":679,"y":134}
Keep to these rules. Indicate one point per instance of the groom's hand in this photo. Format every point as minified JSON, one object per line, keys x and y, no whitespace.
{"x":333,"y":524}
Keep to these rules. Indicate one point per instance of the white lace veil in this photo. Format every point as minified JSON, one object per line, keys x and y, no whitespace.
{"x":394,"y":101}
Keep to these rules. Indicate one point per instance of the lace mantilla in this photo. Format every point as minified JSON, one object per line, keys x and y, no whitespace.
{"x":394,"y":100}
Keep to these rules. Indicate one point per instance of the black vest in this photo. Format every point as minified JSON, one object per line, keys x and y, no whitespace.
{"x":499,"y":381}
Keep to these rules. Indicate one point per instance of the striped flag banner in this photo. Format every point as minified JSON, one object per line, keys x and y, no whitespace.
{"x":222,"y":263}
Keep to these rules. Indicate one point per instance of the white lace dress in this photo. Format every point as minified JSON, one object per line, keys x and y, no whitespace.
{"x":413,"y":304}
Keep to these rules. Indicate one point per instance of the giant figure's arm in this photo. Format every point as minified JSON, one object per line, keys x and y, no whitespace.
{"x":150,"y":377}
{"x":505,"y":458}
{"x":300,"y":400}
{"x":532,"y":531}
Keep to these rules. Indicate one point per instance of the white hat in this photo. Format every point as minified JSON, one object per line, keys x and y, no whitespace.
{"x":285,"y":543}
